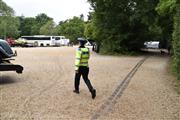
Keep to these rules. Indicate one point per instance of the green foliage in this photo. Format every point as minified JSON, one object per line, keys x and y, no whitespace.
{"x":32,"y":26}
{"x":173,"y":70}
{"x":155,"y":31}
{"x":8,"y":24}
{"x":166,"y":7}
{"x":40,"y":20}
{"x":26,"y":25}
{"x":48,"y":28}
{"x":5,"y":10}
{"x":176,"y":40}
{"x":171,"y":9}
{"x":166,"y":10}
{"x":123,"y":25}
{"x":166,"y":24}
{"x":8,"y":27}
{"x":72,"y":29}
{"x":89,"y":30}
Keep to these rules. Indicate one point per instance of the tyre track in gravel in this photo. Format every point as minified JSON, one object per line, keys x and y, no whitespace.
{"x":111,"y":101}
{"x":27,"y":101}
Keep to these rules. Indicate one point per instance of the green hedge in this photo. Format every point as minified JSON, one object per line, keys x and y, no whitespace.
{"x":176,"y":41}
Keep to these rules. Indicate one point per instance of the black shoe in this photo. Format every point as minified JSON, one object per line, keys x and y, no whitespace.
{"x":93,"y":93}
{"x":76,"y":91}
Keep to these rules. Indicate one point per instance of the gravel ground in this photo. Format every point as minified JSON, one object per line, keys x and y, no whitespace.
{"x":150,"y":94}
{"x":44,"y":90}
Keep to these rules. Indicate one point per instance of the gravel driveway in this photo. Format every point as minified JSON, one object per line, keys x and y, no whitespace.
{"x":44,"y":90}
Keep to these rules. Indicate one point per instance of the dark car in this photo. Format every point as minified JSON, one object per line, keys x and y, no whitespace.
{"x":6,"y":55}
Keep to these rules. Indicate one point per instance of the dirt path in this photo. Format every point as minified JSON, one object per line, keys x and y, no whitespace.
{"x":44,"y":90}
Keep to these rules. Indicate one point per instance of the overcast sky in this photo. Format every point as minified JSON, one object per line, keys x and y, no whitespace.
{"x":57,"y":9}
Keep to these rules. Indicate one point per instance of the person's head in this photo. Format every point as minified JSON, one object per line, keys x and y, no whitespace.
{"x":82,"y":41}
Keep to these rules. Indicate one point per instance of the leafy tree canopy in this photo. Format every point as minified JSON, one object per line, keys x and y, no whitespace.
{"x":5,"y":10}
{"x":166,"y":7}
{"x":123,"y":25}
{"x":48,"y":28}
{"x":72,"y":28}
{"x":8,"y":24}
{"x":26,"y":25}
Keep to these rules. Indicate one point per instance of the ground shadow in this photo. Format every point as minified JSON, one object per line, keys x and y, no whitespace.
{"x":155,"y":52}
{"x":7,"y":80}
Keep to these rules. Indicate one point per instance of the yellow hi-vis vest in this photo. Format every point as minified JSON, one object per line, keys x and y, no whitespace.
{"x":82,"y":57}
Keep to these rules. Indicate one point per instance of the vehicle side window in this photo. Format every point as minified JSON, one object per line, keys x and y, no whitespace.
{"x":57,"y":38}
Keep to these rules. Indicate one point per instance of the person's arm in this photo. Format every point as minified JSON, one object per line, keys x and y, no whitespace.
{"x":89,"y":53}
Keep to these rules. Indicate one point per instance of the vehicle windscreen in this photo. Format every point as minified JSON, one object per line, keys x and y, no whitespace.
{"x":5,"y":46}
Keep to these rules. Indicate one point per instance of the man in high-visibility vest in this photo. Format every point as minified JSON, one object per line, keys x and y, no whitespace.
{"x":82,"y":68}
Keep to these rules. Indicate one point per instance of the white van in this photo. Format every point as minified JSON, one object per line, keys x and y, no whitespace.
{"x":152,"y":44}
{"x":62,"y":41}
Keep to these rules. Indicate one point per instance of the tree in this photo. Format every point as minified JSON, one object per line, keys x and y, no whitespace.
{"x":40,"y":20}
{"x":165,"y":9}
{"x":89,"y":30}
{"x":48,"y":28}
{"x":72,"y":28}
{"x":176,"y":40}
{"x":123,"y":26}
{"x":171,"y":9}
{"x":35,"y":26}
{"x":8,"y":23}
{"x":5,"y":10}
{"x":26,"y":25}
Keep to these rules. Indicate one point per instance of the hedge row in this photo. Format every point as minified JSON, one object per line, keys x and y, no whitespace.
{"x":176,"y":41}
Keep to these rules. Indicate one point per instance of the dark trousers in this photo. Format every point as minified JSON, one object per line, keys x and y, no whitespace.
{"x":84,"y":71}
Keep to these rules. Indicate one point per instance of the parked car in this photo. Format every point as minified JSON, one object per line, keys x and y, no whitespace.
{"x":21,"y":42}
{"x":6,"y":55}
{"x":11,"y":42}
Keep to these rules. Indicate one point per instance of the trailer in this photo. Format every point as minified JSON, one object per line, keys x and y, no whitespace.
{"x":6,"y":55}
